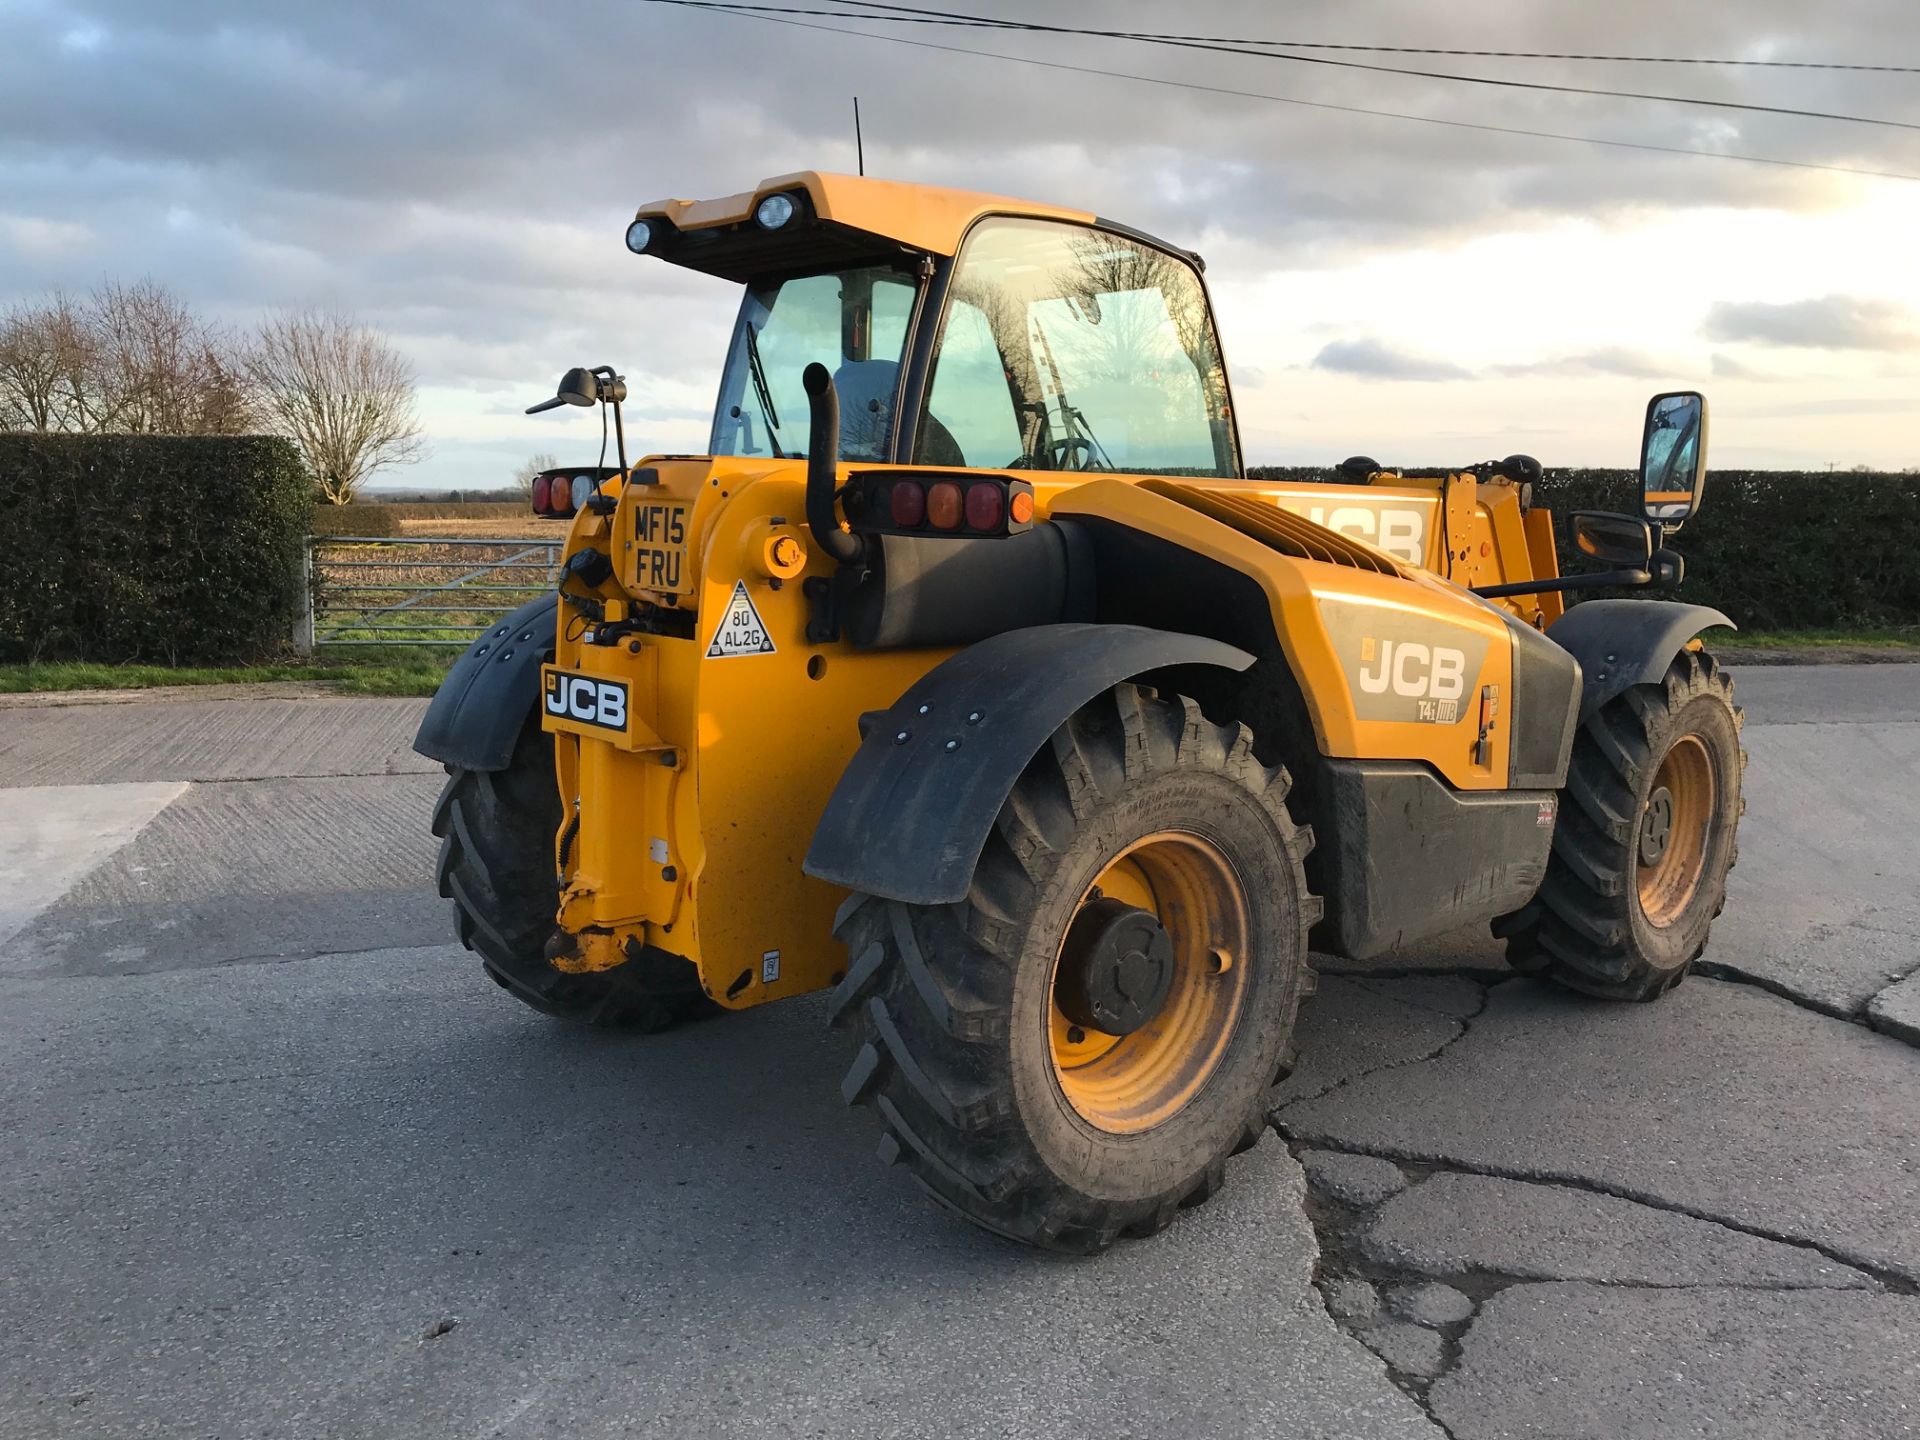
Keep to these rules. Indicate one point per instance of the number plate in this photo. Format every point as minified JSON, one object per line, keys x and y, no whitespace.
{"x":660,"y":547}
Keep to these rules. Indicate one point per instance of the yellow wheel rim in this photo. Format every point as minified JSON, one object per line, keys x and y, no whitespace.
{"x":1125,"y":1084}
{"x":1671,"y":839}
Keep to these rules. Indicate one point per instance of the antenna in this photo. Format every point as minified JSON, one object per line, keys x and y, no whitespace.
{"x":859,"y":150}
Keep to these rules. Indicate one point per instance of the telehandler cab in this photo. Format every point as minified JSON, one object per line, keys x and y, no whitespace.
{"x":967,"y":677}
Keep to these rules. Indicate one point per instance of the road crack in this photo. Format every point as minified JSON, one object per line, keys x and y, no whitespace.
{"x":1465,"y":1022}
{"x":1891,"y":1280}
{"x":1361,"y":1293}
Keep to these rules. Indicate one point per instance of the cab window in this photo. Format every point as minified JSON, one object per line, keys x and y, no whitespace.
{"x":854,"y":321}
{"x":1067,"y":348}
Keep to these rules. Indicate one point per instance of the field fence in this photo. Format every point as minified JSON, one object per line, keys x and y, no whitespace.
{"x":419,"y":590}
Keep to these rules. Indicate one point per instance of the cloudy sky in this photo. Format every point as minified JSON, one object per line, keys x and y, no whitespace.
{"x":460,"y":176}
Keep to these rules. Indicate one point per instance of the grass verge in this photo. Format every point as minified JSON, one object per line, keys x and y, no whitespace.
{"x":1901,"y":638}
{"x":348,"y":670}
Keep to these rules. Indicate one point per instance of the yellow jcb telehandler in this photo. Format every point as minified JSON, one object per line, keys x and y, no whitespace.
{"x":967,"y":677}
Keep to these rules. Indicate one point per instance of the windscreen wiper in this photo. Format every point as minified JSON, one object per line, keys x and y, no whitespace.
{"x":761,"y":392}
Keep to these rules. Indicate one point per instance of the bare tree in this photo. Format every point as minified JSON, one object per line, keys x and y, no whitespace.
{"x":43,"y":351}
{"x":529,"y":468}
{"x":157,"y":368}
{"x":132,"y":358}
{"x":340,"y":392}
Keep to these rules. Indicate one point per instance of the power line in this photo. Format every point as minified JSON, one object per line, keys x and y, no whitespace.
{"x":985,"y":22}
{"x":907,"y":14}
{"x":736,"y":13}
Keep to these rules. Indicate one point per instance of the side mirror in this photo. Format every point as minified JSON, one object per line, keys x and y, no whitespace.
{"x":580,"y":386}
{"x":1620,"y":542}
{"x":1673,"y":457}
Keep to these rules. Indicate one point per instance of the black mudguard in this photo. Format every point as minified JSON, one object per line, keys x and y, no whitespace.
{"x":477,"y":712}
{"x":914,"y":807}
{"x":1623,"y":643}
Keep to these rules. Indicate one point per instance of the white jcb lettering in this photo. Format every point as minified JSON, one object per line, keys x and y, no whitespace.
{"x":1376,"y":682}
{"x":1401,"y":533}
{"x":1352,"y":520}
{"x":613,"y":706}
{"x":1449,"y":673}
{"x":1438,"y":672}
{"x":582,"y":699}
{"x":1415,"y":684}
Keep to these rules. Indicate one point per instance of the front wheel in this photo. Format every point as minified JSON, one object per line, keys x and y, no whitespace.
{"x":1645,"y":838}
{"x":1074,"y":1051}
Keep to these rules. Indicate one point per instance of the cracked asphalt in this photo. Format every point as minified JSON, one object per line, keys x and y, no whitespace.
{"x":275,"y":1160}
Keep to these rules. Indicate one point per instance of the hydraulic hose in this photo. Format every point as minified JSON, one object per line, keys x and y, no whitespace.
{"x":823,"y":467}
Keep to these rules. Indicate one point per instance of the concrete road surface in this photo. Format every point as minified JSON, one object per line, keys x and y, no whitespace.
{"x":276,"y":1161}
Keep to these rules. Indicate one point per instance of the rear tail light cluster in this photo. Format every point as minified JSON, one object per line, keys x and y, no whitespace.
{"x":560,"y":494}
{"x":932,"y":503}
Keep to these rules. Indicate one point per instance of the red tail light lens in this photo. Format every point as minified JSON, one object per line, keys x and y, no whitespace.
{"x":985,"y":505}
{"x":907,"y":503}
{"x":539,"y":494}
{"x":945,"y":506}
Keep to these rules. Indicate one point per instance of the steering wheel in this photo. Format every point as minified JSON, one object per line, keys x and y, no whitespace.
{"x":1061,"y":449}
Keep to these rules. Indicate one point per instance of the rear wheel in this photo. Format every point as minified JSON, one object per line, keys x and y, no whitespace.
{"x":1645,"y":838}
{"x":1073,"y":1052}
{"x":496,"y":830}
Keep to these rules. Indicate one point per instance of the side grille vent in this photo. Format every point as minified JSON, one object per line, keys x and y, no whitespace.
{"x":1275,"y":528}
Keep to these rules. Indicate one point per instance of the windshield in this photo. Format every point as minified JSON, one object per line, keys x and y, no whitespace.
{"x":1066,"y":348}
{"x":852,"y":321}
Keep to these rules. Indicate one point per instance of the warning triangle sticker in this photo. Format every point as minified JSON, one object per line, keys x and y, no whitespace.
{"x":741,"y":631}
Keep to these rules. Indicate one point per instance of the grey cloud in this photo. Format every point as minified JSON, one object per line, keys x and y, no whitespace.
{"x":1833,"y":322}
{"x":460,"y":174}
{"x":1376,"y":360}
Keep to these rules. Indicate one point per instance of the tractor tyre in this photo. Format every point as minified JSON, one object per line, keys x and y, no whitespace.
{"x":1646,"y":835}
{"x":496,"y":830}
{"x":1072,"y":1053}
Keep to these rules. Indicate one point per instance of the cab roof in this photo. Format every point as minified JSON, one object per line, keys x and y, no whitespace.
{"x":838,"y":219}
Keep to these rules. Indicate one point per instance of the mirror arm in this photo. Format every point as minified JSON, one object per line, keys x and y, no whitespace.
{"x":1598,"y":579}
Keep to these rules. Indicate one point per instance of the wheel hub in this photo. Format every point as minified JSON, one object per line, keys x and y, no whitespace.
{"x":1116,"y":968}
{"x":1656,"y":826}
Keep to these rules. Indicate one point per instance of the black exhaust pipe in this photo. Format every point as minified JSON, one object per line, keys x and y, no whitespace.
{"x":823,"y":461}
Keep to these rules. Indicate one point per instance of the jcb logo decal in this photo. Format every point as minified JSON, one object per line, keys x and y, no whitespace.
{"x":1436,"y":672}
{"x":1401,"y":666}
{"x":1401,"y":531}
{"x":589,"y":701}
{"x":1432,"y":676}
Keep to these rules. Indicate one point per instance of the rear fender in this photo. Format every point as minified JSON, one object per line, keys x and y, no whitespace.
{"x":479,"y":710}
{"x":914,"y":807}
{"x":1623,"y":643}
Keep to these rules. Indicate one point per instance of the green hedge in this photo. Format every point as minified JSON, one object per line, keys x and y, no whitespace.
{"x":1774,"y":549}
{"x":175,"y":549}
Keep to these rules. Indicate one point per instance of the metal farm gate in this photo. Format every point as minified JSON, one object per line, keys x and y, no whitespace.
{"x":419,"y":590}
